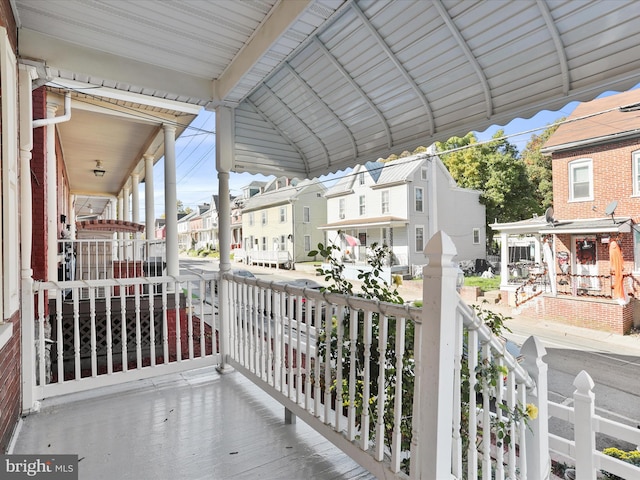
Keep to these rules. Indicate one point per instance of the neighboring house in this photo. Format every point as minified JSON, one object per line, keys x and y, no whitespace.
{"x":280,"y":224}
{"x":236,"y":222}
{"x":401,"y":204}
{"x":184,"y":231}
{"x":596,"y":196}
{"x":209,"y":234}
{"x":160,"y":228}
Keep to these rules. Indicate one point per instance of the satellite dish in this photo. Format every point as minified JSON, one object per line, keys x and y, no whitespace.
{"x":548,"y":215}
{"x":611,"y":208}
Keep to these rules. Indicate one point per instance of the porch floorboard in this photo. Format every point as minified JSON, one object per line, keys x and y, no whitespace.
{"x":193,"y":425}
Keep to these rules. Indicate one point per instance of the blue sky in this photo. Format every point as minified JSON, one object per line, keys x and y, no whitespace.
{"x":197,"y":179}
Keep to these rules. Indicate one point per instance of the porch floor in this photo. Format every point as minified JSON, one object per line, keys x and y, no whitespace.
{"x":194,"y":425}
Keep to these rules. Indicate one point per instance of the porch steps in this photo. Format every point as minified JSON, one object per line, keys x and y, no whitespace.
{"x":492,"y":296}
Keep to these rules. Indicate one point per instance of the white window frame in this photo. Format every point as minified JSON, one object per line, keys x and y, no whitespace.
{"x":361,"y":178}
{"x":573,"y":166}
{"x":415,"y":199}
{"x":476,"y":236}
{"x":307,"y":243}
{"x":283,"y":214}
{"x":424,"y":173}
{"x":251,"y":219}
{"x":384,"y":201}
{"x":341,"y":207}
{"x":419,"y":248}
{"x":264,"y":217}
{"x":635,"y":165}
{"x":306,"y":215}
{"x":362,"y":205}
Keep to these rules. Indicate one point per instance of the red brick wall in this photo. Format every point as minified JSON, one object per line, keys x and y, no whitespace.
{"x":10,"y":398}
{"x":38,"y":188}
{"x":606,"y":315}
{"x":612,"y":180}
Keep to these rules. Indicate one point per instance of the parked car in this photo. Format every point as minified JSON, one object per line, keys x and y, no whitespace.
{"x":240,"y":273}
{"x":301,"y":283}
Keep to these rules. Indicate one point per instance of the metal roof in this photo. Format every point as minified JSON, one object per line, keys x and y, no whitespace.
{"x":317,"y":86}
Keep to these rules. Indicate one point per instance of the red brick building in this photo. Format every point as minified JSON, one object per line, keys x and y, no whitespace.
{"x":596,"y":200}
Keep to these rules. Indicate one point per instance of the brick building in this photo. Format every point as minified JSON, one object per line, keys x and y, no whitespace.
{"x":596,"y":200}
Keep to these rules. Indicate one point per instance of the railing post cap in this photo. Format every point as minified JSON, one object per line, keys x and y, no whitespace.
{"x":583,"y":382}
{"x":440,"y":249}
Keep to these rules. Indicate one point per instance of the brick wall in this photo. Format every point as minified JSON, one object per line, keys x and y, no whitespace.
{"x":38,"y":188}
{"x":10,"y":399}
{"x":612,"y":180}
{"x":605,"y":315}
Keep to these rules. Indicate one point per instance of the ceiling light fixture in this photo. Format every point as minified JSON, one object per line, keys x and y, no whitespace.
{"x":99,"y":171}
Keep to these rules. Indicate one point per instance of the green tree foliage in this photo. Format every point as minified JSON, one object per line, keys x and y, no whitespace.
{"x":496,"y":170}
{"x":539,"y":167}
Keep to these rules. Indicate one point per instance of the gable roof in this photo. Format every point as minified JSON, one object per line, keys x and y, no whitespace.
{"x":598,"y":121}
{"x":281,"y":195}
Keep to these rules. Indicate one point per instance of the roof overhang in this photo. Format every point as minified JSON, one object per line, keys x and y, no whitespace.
{"x":600,"y":225}
{"x":387,"y":221}
{"x":317,"y":86}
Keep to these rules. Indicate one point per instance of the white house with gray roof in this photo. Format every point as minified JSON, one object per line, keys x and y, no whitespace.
{"x":280,"y":224}
{"x":402,"y":203}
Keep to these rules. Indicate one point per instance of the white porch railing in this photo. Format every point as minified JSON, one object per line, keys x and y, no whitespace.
{"x":97,"y":259}
{"x":101,"y":332}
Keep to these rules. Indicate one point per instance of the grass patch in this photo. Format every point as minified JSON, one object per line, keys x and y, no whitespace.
{"x":485,"y":284}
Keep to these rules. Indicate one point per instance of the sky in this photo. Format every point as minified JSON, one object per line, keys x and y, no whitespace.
{"x":197,"y":179}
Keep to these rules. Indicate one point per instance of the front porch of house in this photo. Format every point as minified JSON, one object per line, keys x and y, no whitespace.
{"x":197,"y":424}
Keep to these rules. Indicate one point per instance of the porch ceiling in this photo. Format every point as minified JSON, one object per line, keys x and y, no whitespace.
{"x":320,"y":85}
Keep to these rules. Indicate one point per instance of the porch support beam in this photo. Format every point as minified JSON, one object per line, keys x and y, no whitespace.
{"x":26,"y":75}
{"x":149,"y":207}
{"x":135,"y":198}
{"x":224,"y":159}
{"x":126,"y":206}
{"x":171,"y":199}
{"x":504,"y":259}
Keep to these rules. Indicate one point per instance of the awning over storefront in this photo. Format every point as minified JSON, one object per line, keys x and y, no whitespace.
{"x":387,"y":221}
{"x":539,"y":225}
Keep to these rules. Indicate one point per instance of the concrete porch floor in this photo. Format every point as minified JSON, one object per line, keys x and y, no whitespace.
{"x":194,"y":425}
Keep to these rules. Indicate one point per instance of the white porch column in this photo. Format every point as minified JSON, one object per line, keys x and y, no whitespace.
{"x":72,"y":216}
{"x":149,"y":206}
{"x":224,"y":162}
{"x":435,"y":354}
{"x":126,"y":209}
{"x":52,"y":197}
{"x":171,"y":199}
{"x":135,"y":198}
{"x":504,"y":259}
{"x":26,"y":74}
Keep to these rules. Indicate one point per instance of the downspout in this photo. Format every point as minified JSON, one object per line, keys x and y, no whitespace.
{"x":51,"y":182}
{"x":42,"y":122}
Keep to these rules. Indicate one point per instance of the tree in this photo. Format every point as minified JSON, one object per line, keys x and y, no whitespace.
{"x":183,"y":209}
{"x":495,"y":169}
{"x":539,"y":167}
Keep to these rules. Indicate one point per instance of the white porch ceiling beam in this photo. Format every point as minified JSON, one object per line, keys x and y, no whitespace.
{"x":557,"y":41}
{"x":338,"y":66}
{"x":281,"y":18}
{"x":462,"y":43}
{"x":69,"y":57}
{"x":403,"y":71}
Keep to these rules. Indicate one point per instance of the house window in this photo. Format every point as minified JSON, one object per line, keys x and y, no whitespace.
{"x":264,"y":243}
{"x":385,"y":201}
{"x":264,"y":217}
{"x":283,"y":215}
{"x":361,"y":178}
{"x":306,"y":215}
{"x":307,"y":243}
{"x":636,"y":172}
{"x":341,"y":208}
{"x":581,"y":180}
{"x":251,"y":220}
{"x":419,"y":198}
{"x":476,"y":236}
{"x":423,"y":173}
{"x":636,"y":250}
{"x":362,"y":205}
{"x":419,"y":239}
